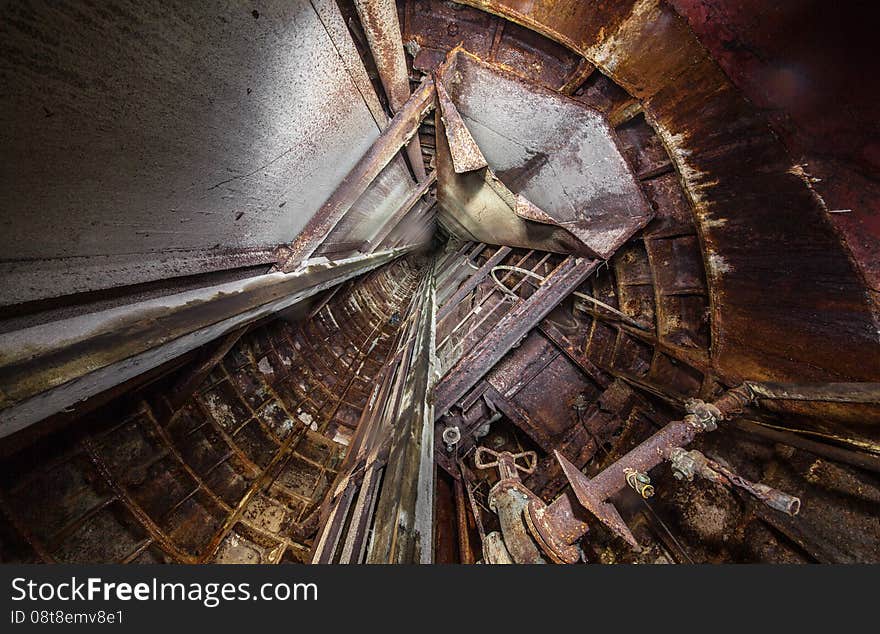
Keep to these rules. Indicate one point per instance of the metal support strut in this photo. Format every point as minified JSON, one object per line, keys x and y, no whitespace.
{"x":559,"y":527}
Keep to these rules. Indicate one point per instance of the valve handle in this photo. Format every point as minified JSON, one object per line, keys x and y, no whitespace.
{"x":530,"y":457}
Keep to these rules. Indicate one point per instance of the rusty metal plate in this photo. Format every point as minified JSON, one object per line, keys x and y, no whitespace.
{"x":548,"y":152}
{"x":196,"y":139}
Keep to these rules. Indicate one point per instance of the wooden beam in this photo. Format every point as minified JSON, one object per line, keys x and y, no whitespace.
{"x":403,"y":524}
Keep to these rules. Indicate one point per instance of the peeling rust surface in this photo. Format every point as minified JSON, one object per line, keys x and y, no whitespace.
{"x":380,"y":22}
{"x":233,"y":473}
{"x":782,"y":242}
{"x":538,"y":145}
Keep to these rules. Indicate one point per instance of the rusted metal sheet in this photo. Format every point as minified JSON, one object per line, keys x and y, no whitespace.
{"x":402,"y":127}
{"x":159,"y":164}
{"x":800,"y":78}
{"x":525,"y":380}
{"x":36,"y":280}
{"x":597,"y":31}
{"x":380,"y":22}
{"x":397,"y":217}
{"x":537,"y":145}
{"x":481,"y":190}
{"x":334,"y":23}
{"x":782,"y":242}
{"x":47,"y":368}
{"x":466,"y":154}
{"x":597,"y":423}
{"x":816,"y":315}
{"x":498,"y":222}
{"x":825,"y":392}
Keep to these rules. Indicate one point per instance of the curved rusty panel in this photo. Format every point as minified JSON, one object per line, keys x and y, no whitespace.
{"x":554,"y":151}
{"x":787,"y":301}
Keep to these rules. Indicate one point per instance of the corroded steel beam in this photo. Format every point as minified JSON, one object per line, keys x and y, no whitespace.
{"x":382,"y":27}
{"x":397,"y":217}
{"x":403,"y":525}
{"x":187,"y":384}
{"x":472,"y":282}
{"x":401,"y":129}
{"x":510,"y":330}
{"x":47,"y":368}
{"x":823,"y":392}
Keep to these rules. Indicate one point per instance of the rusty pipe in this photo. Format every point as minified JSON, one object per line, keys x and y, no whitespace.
{"x":686,"y":464}
{"x":643,"y":458}
{"x":558,"y":527}
{"x":647,"y":455}
{"x":464,"y":543}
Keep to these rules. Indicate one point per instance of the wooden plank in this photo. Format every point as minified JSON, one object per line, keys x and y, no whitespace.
{"x":403,"y":526}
